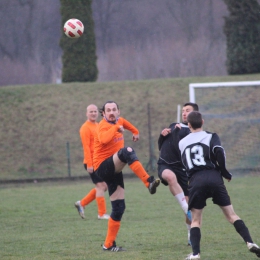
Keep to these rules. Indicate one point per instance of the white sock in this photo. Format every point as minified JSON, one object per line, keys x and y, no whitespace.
{"x":188,"y":228}
{"x":182,"y":201}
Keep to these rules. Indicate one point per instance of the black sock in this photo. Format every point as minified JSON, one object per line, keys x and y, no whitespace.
{"x":195,"y":240}
{"x":242,"y":230}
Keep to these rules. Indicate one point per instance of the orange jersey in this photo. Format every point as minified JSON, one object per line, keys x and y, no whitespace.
{"x":108,"y":140}
{"x":86,"y":132}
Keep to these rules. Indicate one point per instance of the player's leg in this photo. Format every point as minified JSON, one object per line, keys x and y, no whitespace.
{"x":128,"y":155}
{"x":182,"y":179}
{"x":115,"y":185}
{"x":241,"y":228}
{"x":222,"y":199}
{"x":168,"y":177}
{"x":81,"y":204}
{"x":117,"y":198}
{"x":101,"y":188}
{"x":175,"y":188}
{"x":198,"y":194}
{"x":195,"y":234}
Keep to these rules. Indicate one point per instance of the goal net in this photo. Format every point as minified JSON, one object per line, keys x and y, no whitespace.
{"x":232,"y":110}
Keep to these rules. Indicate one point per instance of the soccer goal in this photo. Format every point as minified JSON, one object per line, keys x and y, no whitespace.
{"x":232,"y":109}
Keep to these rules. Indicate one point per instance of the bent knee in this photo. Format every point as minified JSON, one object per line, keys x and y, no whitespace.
{"x":169,"y":176}
{"x":127,"y":155}
{"x":129,"y":149}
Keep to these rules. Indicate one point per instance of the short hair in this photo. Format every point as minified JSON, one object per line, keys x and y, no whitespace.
{"x":102,"y":109}
{"x":195,"y":119}
{"x":194,"y":105}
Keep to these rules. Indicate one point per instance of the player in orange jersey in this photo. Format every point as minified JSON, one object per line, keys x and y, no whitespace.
{"x":110,"y":157}
{"x":87,"y":131}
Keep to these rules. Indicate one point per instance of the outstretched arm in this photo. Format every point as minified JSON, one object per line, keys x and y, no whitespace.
{"x":127,"y":125}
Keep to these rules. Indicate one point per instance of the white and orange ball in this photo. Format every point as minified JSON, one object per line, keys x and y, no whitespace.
{"x":73,"y":28}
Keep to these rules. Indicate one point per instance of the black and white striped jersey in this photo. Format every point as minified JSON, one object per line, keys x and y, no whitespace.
{"x":197,"y":151}
{"x":169,"y":145}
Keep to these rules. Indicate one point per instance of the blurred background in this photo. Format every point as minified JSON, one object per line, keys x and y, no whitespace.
{"x":135,"y":39}
{"x":148,"y":52}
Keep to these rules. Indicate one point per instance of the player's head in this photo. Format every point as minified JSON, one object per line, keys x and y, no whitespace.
{"x":92,"y":112}
{"x":186,"y":109}
{"x":110,"y":111}
{"x":195,"y":120}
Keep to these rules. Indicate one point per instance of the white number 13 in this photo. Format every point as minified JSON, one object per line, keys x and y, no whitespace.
{"x":198,"y":156}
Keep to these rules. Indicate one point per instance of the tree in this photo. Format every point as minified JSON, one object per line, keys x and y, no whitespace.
{"x":79,"y":55}
{"x":242,"y":30}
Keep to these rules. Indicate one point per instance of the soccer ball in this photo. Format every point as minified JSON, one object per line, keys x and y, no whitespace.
{"x":73,"y":28}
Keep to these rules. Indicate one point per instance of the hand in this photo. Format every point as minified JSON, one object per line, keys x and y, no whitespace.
{"x":177,"y":125}
{"x":121,"y":129}
{"x":227,"y":175}
{"x":135,"y":138}
{"x":90,"y":169}
{"x":166,"y":131}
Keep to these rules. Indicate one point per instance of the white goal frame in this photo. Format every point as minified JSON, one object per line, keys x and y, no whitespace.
{"x":239,"y":168}
{"x":193,"y":86}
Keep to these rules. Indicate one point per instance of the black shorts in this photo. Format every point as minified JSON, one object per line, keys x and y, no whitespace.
{"x":106,"y":172}
{"x":180,"y":173}
{"x":207,"y":184}
{"x":95,"y":179}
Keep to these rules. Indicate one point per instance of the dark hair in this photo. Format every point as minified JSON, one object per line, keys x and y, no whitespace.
{"x":194,"y":105}
{"x":195,"y":119}
{"x":102,"y":109}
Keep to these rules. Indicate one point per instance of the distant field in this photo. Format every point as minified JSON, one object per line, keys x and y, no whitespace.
{"x":37,"y":121}
{"x":39,"y":222}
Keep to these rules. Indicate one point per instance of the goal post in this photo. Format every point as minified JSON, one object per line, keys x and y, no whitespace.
{"x":193,"y":86}
{"x":232,"y":110}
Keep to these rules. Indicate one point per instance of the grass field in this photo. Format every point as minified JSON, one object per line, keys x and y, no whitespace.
{"x":39,"y":222}
{"x":38,"y":120}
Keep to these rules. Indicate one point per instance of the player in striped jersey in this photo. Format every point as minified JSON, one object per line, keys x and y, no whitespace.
{"x":204,"y":160}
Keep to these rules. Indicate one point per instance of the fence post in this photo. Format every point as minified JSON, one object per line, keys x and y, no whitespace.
{"x":68,"y":157}
{"x":152,"y":158}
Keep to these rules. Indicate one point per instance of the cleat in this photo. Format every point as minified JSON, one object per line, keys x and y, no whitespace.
{"x":189,"y":243}
{"x":154,"y":183}
{"x":105,"y":216}
{"x":254,"y":248}
{"x":188,"y":214}
{"x":80,"y":209}
{"x":113,"y":248}
{"x":191,"y":256}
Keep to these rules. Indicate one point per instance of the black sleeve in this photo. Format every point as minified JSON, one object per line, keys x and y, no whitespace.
{"x":221,"y":160}
{"x":162,"y":138}
{"x":160,"y":141}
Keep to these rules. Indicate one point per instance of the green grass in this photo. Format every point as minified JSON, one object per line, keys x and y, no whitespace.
{"x":39,"y":221}
{"x":38,"y":120}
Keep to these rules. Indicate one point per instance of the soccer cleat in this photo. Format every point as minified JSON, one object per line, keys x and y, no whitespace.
{"x":80,"y":209}
{"x":254,"y":248}
{"x":154,"y":183}
{"x":191,"y":256}
{"x":188,"y":214}
{"x":113,"y":248}
{"x":105,"y":216}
